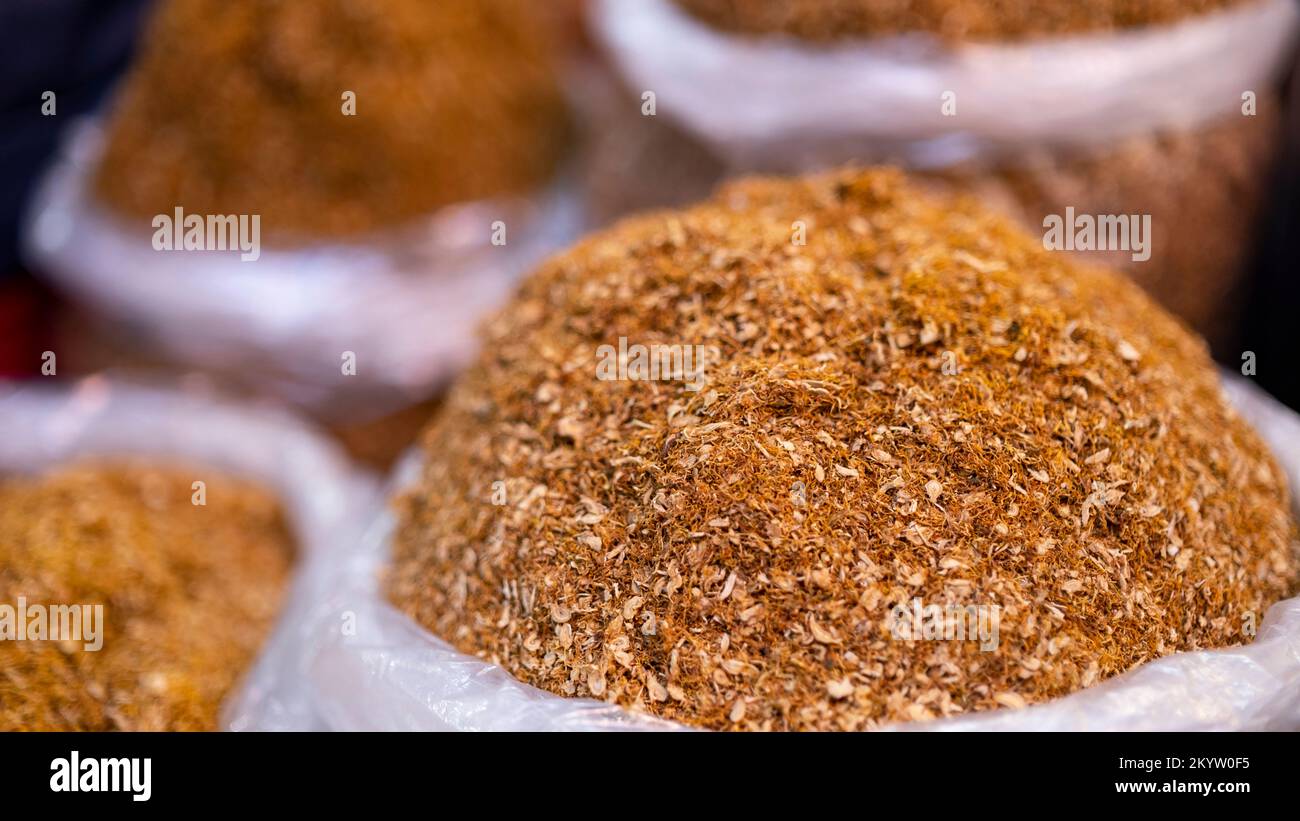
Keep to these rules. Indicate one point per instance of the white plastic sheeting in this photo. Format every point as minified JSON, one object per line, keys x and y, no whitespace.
{"x":406,"y":303}
{"x":777,"y":102}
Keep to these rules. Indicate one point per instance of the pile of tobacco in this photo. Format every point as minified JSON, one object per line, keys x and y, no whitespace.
{"x":186,"y":594}
{"x":907,"y":406}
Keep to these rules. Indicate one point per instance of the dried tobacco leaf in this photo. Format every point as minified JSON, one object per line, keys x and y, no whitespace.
{"x":917,"y":403}
{"x":188,"y":594}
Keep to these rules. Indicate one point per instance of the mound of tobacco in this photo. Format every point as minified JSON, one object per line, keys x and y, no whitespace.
{"x":914,"y":403}
{"x":951,"y":19}
{"x":238,"y":108}
{"x":188,"y":593}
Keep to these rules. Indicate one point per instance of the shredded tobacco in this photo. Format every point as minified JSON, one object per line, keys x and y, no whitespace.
{"x":949,"y":19}
{"x":188,"y":593}
{"x":1205,"y":189}
{"x":237,"y":108}
{"x":918,"y":403}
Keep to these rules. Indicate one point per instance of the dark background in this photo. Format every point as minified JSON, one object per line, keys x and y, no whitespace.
{"x":1271,"y":327}
{"x":75,"y":48}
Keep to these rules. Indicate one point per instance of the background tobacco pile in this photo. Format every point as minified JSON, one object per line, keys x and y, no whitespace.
{"x":235,"y":108}
{"x":954,"y":19}
{"x":189,"y":592}
{"x":728,"y":557}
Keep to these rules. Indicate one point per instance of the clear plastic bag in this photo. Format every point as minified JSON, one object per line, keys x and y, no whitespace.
{"x":777,"y":103}
{"x":366,"y":666}
{"x":323,"y":496}
{"x":406,"y":303}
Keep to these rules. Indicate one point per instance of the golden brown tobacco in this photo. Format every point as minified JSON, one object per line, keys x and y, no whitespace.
{"x":188,"y":592}
{"x":236,"y":108}
{"x":918,"y":403}
{"x":950,"y":19}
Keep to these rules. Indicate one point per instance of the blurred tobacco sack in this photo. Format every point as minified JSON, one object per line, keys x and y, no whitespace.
{"x":1166,"y":110}
{"x":147,"y":544}
{"x":396,"y":164}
